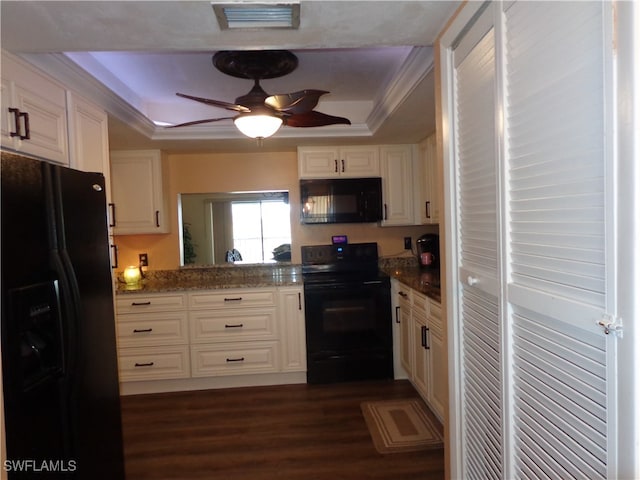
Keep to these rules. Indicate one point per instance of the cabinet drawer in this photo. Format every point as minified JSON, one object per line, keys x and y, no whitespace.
{"x":154,"y":363}
{"x":234,"y":359}
{"x":149,"y":303}
{"x":152,"y":329}
{"x":231,"y":325}
{"x":232,"y":299}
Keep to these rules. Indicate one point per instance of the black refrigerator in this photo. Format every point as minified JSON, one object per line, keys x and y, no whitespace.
{"x":59,"y":364}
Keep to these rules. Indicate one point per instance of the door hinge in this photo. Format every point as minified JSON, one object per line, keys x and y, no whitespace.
{"x":611,"y":324}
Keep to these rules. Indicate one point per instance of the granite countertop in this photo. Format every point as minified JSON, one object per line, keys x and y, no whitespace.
{"x":423,"y":281}
{"x":280,"y":275}
{"x":210,"y":278}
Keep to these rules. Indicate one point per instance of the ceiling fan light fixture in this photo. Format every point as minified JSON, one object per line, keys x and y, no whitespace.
{"x":257,"y":125}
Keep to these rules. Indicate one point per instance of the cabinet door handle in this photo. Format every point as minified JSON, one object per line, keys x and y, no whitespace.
{"x":241,"y":359}
{"x":139,"y":304}
{"x":142,"y":330}
{"x":112,"y":214}
{"x":115,"y":256}
{"x":16,"y":121}
{"x":299,"y":301}
{"x":234,"y":299}
{"x":427,"y":206}
{"x":398,"y":314}
{"x":385,"y":211}
{"x":335,"y":163}
{"x":150,"y":364}
{"x":402,"y":294}
{"x":426,"y":338}
{"x":423,"y":335}
{"x":158,"y":218}
{"x":342,"y":160}
{"x":27,"y":130}
{"x":237,"y":325}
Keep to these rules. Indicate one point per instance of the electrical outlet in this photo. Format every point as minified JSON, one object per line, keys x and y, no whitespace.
{"x":144,"y":260}
{"x":407,"y":243}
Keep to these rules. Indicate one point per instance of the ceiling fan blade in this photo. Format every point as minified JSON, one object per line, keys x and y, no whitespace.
{"x":216,"y":103}
{"x":313,"y":119}
{"x":198,"y":122}
{"x":297,"y":102}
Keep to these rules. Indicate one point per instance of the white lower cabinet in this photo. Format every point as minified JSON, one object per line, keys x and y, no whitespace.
{"x":420,"y":351}
{"x":154,"y":363}
{"x":211,"y":334}
{"x":153,"y":339}
{"x":406,"y":334}
{"x":227,"y":329}
{"x":438,"y":383}
{"x":238,"y":358}
{"x":422,"y":345}
{"x":293,"y":348}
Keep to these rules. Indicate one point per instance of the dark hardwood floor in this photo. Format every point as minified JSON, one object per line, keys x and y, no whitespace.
{"x":291,"y":432}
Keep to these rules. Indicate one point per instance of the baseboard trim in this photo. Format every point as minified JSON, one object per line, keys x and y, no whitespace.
{"x":188,"y":384}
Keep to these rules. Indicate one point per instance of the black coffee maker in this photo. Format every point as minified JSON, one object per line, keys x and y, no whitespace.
{"x":428,"y":249}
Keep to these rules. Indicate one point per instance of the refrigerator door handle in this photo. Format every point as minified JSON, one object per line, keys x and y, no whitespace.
{"x":71,"y":291}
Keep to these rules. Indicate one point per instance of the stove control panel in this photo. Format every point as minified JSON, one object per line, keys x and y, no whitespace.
{"x":338,"y":253}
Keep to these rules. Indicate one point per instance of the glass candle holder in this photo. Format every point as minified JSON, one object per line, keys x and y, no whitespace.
{"x":132,"y":275}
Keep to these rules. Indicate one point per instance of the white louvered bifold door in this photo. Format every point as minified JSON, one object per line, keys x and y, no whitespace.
{"x":555,"y":160}
{"x":528,"y":108}
{"x":477,"y":252}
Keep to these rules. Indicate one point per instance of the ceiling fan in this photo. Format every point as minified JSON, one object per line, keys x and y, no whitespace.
{"x":259,"y":114}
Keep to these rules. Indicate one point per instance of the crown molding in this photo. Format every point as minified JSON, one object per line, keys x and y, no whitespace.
{"x":416,"y":67}
{"x":78,"y":80}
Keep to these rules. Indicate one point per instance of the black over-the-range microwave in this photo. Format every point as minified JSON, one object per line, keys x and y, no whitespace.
{"x":341,"y":200}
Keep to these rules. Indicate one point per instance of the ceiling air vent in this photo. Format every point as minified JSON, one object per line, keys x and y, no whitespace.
{"x":257,"y":15}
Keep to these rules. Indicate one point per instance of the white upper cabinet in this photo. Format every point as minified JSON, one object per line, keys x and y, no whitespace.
{"x":398,"y":190}
{"x":429,"y":205}
{"x":88,"y":138}
{"x":328,"y":162}
{"x":34,"y":116}
{"x":138,"y":192}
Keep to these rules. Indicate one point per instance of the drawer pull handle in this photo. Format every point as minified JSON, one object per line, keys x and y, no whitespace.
{"x":241,"y":359}
{"x":150,"y":364}
{"x":139,"y":304}
{"x":403,"y":295}
{"x":142,"y":330}
{"x":234,"y":299}
{"x":239,"y":325}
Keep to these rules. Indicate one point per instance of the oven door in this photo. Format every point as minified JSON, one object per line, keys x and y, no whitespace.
{"x":348,"y":328}
{"x":348,"y":316}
